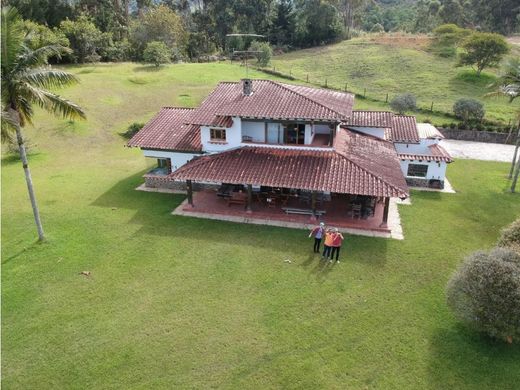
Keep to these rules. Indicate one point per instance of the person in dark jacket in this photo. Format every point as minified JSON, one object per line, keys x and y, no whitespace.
{"x":317,"y":233}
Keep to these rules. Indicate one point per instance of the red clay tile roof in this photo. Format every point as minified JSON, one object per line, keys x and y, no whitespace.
{"x":347,"y":172}
{"x":438,"y":154}
{"x":404,"y":129}
{"x":168,"y":131}
{"x":222,"y":121}
{"x":370,"y":119}
{"x":275,"y":100}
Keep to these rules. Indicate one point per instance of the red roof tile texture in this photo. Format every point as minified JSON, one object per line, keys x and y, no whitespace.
{"x":438,"y":154}
{"x":361,"y":118}
{"x":344,"y":172}
{"x":274,"y":100}
{"x":404,"y":129}
{"x":168,"y":131}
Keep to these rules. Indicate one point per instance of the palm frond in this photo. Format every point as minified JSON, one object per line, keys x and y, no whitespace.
{"x":53,"y":103}
{"x":12,"y":37}
{"x":8,"y":126}
{"x":48,"y":78}
{"x":30,"y":58}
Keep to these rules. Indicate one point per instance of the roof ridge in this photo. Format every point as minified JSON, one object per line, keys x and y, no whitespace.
{"x":367,"y":170}
{"x":200,"y":159}
{"x":384,"y":112}
{"x":283,"y":85}
{"x":178,"y":108}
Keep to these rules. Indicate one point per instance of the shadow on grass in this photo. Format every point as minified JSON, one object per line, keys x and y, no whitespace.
{"x":148,"y":68}
{"x":459,"y":355}
{"x":12,"y":158}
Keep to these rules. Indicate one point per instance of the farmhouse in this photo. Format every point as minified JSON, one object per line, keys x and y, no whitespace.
{"x":271,"y":150}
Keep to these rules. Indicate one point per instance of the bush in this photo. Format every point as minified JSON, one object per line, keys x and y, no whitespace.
{"x":156,"y":53}
{"x":510,"y":236}
{"x":403,"y":103}
{"x":132,"y":130}
{"x":377,"y":28}
{"x":468,"y":110}
{"x":484,"y":293}
{"x":265,"y":52}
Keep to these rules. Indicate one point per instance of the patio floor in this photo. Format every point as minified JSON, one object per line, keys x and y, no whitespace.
{"x":208,"y":205}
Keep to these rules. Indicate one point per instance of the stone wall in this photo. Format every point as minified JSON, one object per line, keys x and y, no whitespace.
{"x":478,"y":136}
{"x":152,"y":181}
{"x":418,"y":182}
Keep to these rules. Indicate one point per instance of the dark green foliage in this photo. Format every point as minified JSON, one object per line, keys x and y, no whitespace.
{"x":510,"y":237}
{"x":156,"y":53}
{"x":446,"y":38}
{"x":404,"y":102}
{"x":469,"y":110}
{"x":264,"y":57}
{"x":132,"y":130}
{"x":483,"y":50}
{"x":484,"y":293}
{"x":311,"y":33}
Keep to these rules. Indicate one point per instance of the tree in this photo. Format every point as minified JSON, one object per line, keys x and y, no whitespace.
{"x":484,"y":293}
{"x":451,"y":11}
{"x":317,"y":23}
{"x":86,"y":40}
{"x":285,"y":23}
{"x":508,"y":84}
{"x":469,"y":110}
{"x":25,"y":82}
{"x":156,"y":53}
{"x":265,"y":52}
{"x":403,"y":103}
{"x":159,"y":24}
{"x":483,"y":50}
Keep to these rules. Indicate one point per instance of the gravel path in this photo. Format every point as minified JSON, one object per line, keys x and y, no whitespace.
{"x":478,"y":150}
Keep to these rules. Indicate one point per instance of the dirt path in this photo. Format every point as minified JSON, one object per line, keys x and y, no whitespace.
{"x":478,"y":150}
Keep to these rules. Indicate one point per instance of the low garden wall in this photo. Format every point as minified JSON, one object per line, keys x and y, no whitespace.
{"x":478,"y":136}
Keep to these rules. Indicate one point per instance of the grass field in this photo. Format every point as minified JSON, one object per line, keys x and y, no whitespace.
{"x":175,"y":302}
{"x":396,"y":64}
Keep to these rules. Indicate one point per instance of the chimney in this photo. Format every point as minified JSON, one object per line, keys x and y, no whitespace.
{"x":248,"y":87}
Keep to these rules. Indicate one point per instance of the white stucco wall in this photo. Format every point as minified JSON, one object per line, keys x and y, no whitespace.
{"x":178,"y":159}
{"x":233,"y":138}
{"x":435,"y":170}
{"x":374,"y":131}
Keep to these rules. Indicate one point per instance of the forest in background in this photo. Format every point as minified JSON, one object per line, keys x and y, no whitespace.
{"x":195,"y":30}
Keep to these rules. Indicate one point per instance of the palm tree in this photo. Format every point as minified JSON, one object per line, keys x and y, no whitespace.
{"x":26,"y":80}
{"x":508,"y":84}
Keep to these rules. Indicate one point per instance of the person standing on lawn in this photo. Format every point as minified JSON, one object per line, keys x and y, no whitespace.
{"x":329,"y":236}
{"x":317,"y":233}
{"x":337,"y":241}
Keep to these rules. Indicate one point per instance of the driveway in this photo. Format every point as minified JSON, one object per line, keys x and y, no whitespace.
{"x":478,"y":150}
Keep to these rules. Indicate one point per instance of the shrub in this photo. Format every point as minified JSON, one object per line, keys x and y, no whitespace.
{"x":483,"y":50}
{"x":265,"y":52}
{"x":377,"y":28}
{"x":132,"y":130}
{"x":510,"y":236}
{"x":403,"y":103}
{"x":484,"y":293}
{"x":468,"y":110}
{"x":453,"y":125}
{"x":156,"y":53}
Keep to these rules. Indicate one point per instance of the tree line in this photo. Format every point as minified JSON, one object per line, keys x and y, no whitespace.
{"x":120,"y":30}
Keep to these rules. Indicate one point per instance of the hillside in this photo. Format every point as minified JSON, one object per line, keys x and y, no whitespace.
{"x":395,"y":64}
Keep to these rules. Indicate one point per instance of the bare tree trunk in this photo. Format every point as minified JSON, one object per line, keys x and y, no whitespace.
{"x":515,"y":155}
{"x":28,"y":179}
{"x":515,"y":177}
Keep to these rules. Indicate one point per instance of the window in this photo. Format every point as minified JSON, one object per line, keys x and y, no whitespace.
{"x":417,"y":170}
{"x":217,"y":135}
{"x":294,"y":133}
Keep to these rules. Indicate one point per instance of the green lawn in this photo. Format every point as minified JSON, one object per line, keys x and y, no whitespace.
{"x":175,"y":302}
{"x":393,"y":65}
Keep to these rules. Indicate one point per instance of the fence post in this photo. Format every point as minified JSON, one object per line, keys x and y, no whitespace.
{"x":431,"y":108}
{"x":326,"y":85}
{"x":386,"y":100}
{"x":365,"y":93}
{"x":346,"y":87}
{"x":290,"y":72}
{"x":307,"y":77}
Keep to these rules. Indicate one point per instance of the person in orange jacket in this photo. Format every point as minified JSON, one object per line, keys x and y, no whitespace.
{"x":337,"y":241}
{"x":327,"y":245}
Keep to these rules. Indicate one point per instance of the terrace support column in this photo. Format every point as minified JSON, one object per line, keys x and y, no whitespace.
{"x":249,"y":198}
{"x":189,"y":188}
{"x":384,"y":223}
{"x":313,"y":206}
